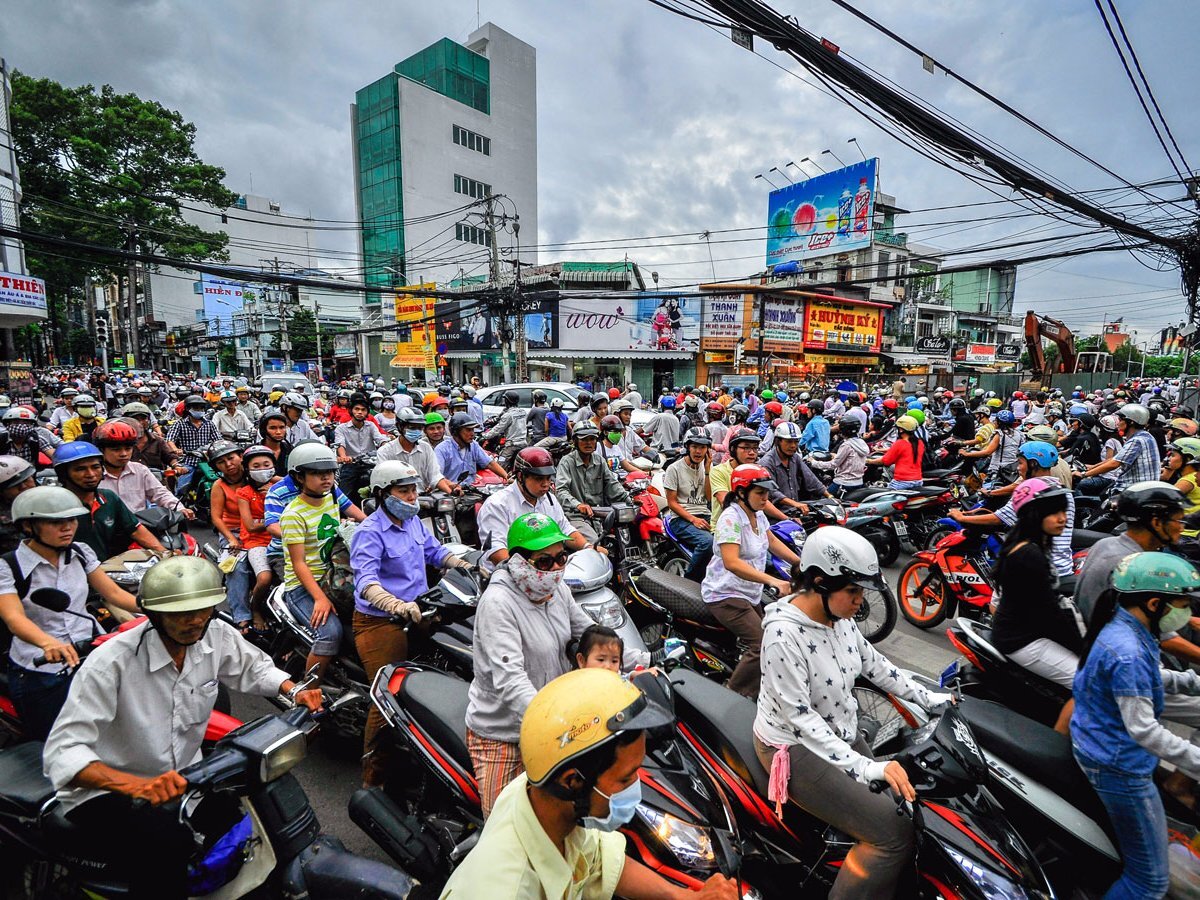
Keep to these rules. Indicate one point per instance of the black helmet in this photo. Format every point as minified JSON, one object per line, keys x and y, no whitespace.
{"x":739,"y":411}
{"x":816,"y":408}
{"x":583,"y":397}
{"x":195,"y":401}
{"x":697,"y":436}
{"x":461,"y":420}
{"x":267,"y":417}
{"x":1146,"y":500}
{"x":848,"y":426}
{"x":539,"y":396}
{"x":598,"y":401}
{"x":958,"y":405}
{"x":511,"y":398}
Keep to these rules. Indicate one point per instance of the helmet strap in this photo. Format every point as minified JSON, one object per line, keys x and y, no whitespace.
{"x":524,"y":493}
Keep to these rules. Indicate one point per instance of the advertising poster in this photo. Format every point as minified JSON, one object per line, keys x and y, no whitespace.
{"x":832,"y":213}
{"x":829,"y":325}
{"x":724,"y":320}
{"x":463,"y":325}
{"x":980,"y":354}
{"x":652,"y":321}
{"x":415,"y":328}
{"x":784,"y":329}
{"x":23,"y":296}
{"x":223,"y":300}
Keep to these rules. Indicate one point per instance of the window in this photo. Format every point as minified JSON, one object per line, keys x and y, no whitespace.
{"x":471,"y":234}
{"x":472,"y":188}
{"x":472,"y":140}
{"x":882,"y":272}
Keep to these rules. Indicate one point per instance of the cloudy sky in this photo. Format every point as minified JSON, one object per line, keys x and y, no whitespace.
{"x":650,"y":124}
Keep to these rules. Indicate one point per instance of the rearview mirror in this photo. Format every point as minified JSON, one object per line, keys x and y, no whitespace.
{"x":51,"y":598}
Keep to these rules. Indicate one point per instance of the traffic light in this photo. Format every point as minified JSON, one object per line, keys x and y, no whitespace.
{"x":101,"y":330}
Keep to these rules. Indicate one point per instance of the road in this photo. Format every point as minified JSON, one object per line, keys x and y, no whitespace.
{"x":330,"y":776}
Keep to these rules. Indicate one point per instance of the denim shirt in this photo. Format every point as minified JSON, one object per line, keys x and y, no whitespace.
{"x":1122,"y":663}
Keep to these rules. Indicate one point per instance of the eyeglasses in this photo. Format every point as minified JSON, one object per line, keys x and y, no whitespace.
{"x":546,"y":563}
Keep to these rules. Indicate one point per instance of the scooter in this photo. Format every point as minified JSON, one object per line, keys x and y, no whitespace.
{"x":955,"y":575}
{"x":276,"y":847}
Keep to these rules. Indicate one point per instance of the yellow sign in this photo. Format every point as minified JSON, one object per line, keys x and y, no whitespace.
{"x":718,"y":356}
{"x":415,"y":327}
{"x":838,"y":359}
{"x":831,"y":325}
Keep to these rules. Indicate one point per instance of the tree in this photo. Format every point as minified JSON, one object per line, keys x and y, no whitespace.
{"x":109,"y":169}
{"x":302,"y":330}
{"x":80,"y":346}
{"x":227,"y":357}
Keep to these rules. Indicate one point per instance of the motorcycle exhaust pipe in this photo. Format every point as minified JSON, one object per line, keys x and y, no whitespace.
{"x":399,"y":835}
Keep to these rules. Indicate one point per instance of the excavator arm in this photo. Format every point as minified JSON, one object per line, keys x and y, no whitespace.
{"x":1038,"y":327}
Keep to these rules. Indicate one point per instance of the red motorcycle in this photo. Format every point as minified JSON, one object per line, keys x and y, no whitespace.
{"x":954,"y":574}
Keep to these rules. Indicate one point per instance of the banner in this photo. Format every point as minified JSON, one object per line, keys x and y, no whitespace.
{"x":724,"y":320}
{"x":832,"y":213}
{"x":22,"y":295}
{"x":833,"y":325}
{"x":415,"y":329}
{"x":933,"y":346}
{"x":784,"y":326}
{"x":980,"y":354}
{"x":655,"y":321}
{"x":464,"y":325}
{"x":1008,"y":352}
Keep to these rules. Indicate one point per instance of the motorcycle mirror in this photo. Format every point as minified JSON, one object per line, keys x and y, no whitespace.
{"x":51,"y":598}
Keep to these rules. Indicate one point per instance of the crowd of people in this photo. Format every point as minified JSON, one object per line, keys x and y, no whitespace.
{"x":276,"y":472}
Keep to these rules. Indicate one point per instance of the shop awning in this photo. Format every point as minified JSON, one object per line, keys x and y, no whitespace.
{"x":617,"y":354}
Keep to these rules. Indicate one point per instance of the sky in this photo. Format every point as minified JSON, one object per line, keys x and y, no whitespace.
{"x":650,"y":124}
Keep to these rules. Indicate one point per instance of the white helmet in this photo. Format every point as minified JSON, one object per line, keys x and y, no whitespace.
{"x":842,"y":556}
{"x":46,"y":502}
{"x":787,"y":431}
{"x":13,"y":471}
{"x":392,"y":473}
{"x":5,"y":401}
{"x":1135,"y":413}
{"x":294,"y":399}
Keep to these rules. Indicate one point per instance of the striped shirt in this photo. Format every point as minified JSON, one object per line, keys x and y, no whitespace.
{"x":1139,"y":459}
{"x":193,"y":438}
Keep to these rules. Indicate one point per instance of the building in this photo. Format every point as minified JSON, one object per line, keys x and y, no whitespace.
{"x":434,"y":140}
{"x":22,"y":297}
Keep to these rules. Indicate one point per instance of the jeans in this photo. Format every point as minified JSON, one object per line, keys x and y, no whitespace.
{"x":903,"y":485}
{"x":1094,"y":486}
{"x":328,"y":633}
{"x":840,"y":490}
{"x":38,"y":697}
{"x":184,"y":478}
{"x":238,"y":584}
{"x":1140,"y":824}
{"x":379,"y":642}
{"x":698,"y":542}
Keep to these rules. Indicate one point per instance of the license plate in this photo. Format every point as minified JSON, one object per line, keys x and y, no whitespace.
{"x":901,"y":528}
{"x":948,"y":674}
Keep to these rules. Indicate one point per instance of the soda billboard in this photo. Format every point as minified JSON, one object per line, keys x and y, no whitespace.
{"x":832,"y":213}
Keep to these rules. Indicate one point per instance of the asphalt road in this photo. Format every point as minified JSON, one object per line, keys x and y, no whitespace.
{"x":330,"y":773}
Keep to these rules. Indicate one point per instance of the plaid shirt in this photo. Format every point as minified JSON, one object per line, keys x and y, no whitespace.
{"x":192,"y":439}
{"x":1139,"y":459}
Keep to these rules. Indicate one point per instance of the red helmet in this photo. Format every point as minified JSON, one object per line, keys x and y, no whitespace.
{"x":773,"y":407}
{"x":115,"y":432}
{"x":715,"y":407}
{"x":613,"y":393}
{"x":534,"y":461}
{"x":890,"y":403}
{"x":750,"y":475}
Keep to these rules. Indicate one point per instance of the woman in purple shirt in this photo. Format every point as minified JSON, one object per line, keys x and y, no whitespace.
{"x":388,"y":554}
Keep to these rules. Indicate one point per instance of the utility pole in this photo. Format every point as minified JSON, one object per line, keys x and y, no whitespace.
{"x":489,"y":218}
{"x":762,"y":331}
{"x":317,"y":322}
{"x":522,"y":344}
{"x":132,"y":347}
{"x":285,"y":342}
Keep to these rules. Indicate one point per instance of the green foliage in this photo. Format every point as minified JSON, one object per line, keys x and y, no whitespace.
{"x":80,"y":346}
{"x":302,"y":329}
{"x":227,"y":357}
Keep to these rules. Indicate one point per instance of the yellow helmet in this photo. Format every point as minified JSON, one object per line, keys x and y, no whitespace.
{"x":578,"y":712}
{"x":995,"y":403}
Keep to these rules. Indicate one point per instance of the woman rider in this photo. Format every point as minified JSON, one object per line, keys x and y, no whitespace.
{"x":807,"y":724}
{"x":736,"y":575}
{"x":905,"y":454}
{"x":388,"y":554}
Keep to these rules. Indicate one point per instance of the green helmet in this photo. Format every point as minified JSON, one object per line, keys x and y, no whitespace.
{"x":1187,"y":447}
{"x":918,"y":414}
{"x":181,"y":584}
{"x":534,"y":531}
{"x":767,"y":394}
{"x":434,"y":419}
{"x":1160,"y":574}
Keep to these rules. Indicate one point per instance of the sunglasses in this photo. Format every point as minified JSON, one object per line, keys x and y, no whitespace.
{"x":546,"y":563}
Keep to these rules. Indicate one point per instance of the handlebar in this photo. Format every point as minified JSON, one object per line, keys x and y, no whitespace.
{"x":81,"y":647}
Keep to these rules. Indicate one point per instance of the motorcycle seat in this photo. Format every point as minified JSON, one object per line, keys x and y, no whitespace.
{"x":939,"y":473}
{"x":23,"y":787}
{"x":1034,"y":749}
{"x":679,"y":595}
{"x":1082,"y":538}
{"x":723,"y":720}
{"x":439,"y":705}
{"x":929,"y":490}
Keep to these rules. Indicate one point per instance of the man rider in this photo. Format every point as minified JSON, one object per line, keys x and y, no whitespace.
{"x":136,"y":715}
{"x":354,"y":440}
{"x":245,"y":404}
{"x":1138,"y":459}
{"x":192,"y":434}
{"x":689,"y":498}
{"x":460,"y":455}
{"x":66,"y":410}
{"x":24,"y":436}
{"x":531,"y":491}
{"x":409,"y":448}
{"x":794,"y":478}
{"x":663,"y":428}
{"x":583,"y":481}
{"x":435,"y":429}
{"x":293,"y":405}
{"x":535,"y":419}
{"x":230,"y":419}
{"x":510,"y":427}
{"x":133,"y":482}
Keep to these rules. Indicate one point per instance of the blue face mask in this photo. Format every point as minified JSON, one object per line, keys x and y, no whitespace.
{"x":412,"y":435}
{"x":621,"y":807}
{"x":196,"y":413}
{"x":400,"y":509}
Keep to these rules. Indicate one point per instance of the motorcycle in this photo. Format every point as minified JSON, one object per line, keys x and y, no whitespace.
{"x":170,"y":527}
{"x":955,"y":575}
{"x":277,"y":845}
{"x":354,"y":476}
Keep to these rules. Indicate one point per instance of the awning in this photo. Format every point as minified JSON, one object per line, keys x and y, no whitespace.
{"x":617,"y":354}
{"x":545,"y":364}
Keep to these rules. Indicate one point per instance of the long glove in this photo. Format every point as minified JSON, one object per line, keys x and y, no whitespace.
{"x":384,"y":600}
{"x":457,"y":562}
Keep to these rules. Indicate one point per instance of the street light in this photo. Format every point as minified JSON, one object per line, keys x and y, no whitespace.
{"x":784,"y":174}
{"x":809,"y":159}
{"x":767,"y":180}
{"x":857,"y":147}
{"x":834,"y":155}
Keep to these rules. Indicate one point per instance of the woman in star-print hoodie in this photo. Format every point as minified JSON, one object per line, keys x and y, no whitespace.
{"x":807,"y":722}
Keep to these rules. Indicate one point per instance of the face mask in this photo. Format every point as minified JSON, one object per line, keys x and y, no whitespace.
{"x":400,"y":509}
{"x":389,"y":406}
{"x":86,"y":412}
{"x":412,"y":435}
{"x":621,"y":807}
{"x":196,"y":414}
{"x":539,"y":587}
{"x":261,"y":476}
{"x":614,"y":437}
{"x":1173,"y":619}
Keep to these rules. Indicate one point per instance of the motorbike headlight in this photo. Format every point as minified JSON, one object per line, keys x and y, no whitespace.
{"x":281,"y":756}
{"x":991,"y":884}
{"x":626,"y":515}
{"x":609,"y":613}
{"x":126,"y":579}
{"x":445,"y":505}
{"x":691,"y":845}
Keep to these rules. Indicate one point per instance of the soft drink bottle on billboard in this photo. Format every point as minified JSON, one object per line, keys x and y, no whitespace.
{"x":862,"y":206}
{"x":845,"y":209}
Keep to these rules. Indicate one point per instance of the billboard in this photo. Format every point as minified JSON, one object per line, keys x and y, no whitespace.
{"x":832,"y":213}
{"x":784,"y":328}
{"x":980,"y":354}
{"x":938,"y":345}
{"x":834,"y":325}
{"x":22,"y":296}
{"x":415,"y":328}
{"x":724,"y":320}
{"x":223,"y":301}
{"x":465,"y":325}
{"x":655,"y":320}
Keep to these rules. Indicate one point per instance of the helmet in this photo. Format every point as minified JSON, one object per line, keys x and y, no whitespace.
{"x":511,"y":398}
{"x":577,"y":713}
{"x":181,"y":584}
{"x":228,"y":397}
{"x":221,"y":449}
{"x":598,"y":401}
{"x":918,"y":414}
{"x":74,"y":451}
{"x":411,"y":417}
{"x":47,"y":502}
{"x":256,"y":450}
{"x":1005,"y":419}
{"x":1039,"y":496}
{"x":749,"y":475}
{"x":1135,"y":413}
{"x":533,"y":531}
{"x":467,"y":391}
{"x":556,"y":403}
{"x":890,"y":403}
{"x":767,"y":394}
{"x":697,"y":436}
{"x":1186,"y":426}
{"x":585,"y":429}
{"x":1046,"y":433}
{"x":182,"y":391}
{"x":848,"y":426}
{"x":631,"y":387}
{"x":668,"y":402}
{"x":1044,"y":454}
{"x":69,"y":393}
{"x":583,"y":397}
{"x":375,"y":395}
{"x":994,"y":403}
{"x":842,"y":556}
{"x":1187,"y":447}
{"x":690,"y":401}
{"x":774,"y":407}
{"x":906,"y":423}
{"x":267,"y":417}
{"x":344,"y":394}
{"x":439,"y":402}
{"x":294,"y":399}
{"x":958,"y":404}
{"x":461,"y":420}
{"x":787,"y":431}
{"x":1146,"y":500}
{"x":136,"y":409}
{"x":619,"y":406}
{"x":240,"y":389}
{"x":612,"y":423}
{"x":739,"y":411}
{"x":539,"y":396}
{"x":742,"y":436}
{"x":392,"y":473}
{"x":614,"y":393}
{"x":19,"y":414}
{"x":816,"y":408}
{"x":5,"y":401}
{"x":1086,"y":420}
{"x":1109,"y":422}
{"x":434,"y":418}
{"x":1018,"y":395}
{"x":533,"y":461}
{"x":1154,"y":573}
{"x":311,"y":456}
{"x":116,"y":432}
{"x":14,"y":470}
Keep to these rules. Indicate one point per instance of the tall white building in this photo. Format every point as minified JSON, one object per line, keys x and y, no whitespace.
{"x":432,"y":140}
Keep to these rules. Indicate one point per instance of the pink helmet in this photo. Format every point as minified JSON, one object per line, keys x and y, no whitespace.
{"x":1036,"y":490}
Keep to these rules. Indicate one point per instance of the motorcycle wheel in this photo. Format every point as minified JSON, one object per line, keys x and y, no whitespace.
{"x":886,"y":544}
{"x":925,"y":607}
{"x":676,"y":565}
{"x":936,"y":536}
{"x":883,"y":722}
{"x":876,"y":618}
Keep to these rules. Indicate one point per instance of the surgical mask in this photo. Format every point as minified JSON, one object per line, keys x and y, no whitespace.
{"x":621,"y":807}
{"x":537,"y":586}
{"x":614,"y":437}
{"x":389,"y":406}
{"x":261,"y":476}
{"x":196,"y":414}
{"x":412,"y":435}
{"x":1173,"y":619}
{"x":86,"y":412}
{"x":400,"y":509}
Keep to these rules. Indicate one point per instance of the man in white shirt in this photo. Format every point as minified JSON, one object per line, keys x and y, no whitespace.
{"x":136,"y":715}
{"x":409,"y":448}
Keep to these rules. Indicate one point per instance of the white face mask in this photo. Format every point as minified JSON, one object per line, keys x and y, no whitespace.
{"x":1173,"y":619}
{"x":261,"y":476}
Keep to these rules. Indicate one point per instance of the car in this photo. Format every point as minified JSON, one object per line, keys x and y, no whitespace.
{"x":291,"y":381}
{"x":492,"y":398}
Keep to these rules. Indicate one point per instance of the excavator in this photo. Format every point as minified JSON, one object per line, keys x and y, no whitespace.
{"x":1069,"y":359}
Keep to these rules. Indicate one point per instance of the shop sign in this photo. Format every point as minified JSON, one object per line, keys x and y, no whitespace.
{"x":466,"y":324}
{"x":724,"y":320}
{"x":344,"y":346}
{"x":830,"y":325}
{"x":980,"y":354}
{"x":415,"y":328}
{"x":934,"y":346}
{"x":719,"y":356}
{"x":838,"y":359}
{"x":1008,"y":352}
{"x":652,"y":320}
{"x":784,"y":326}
